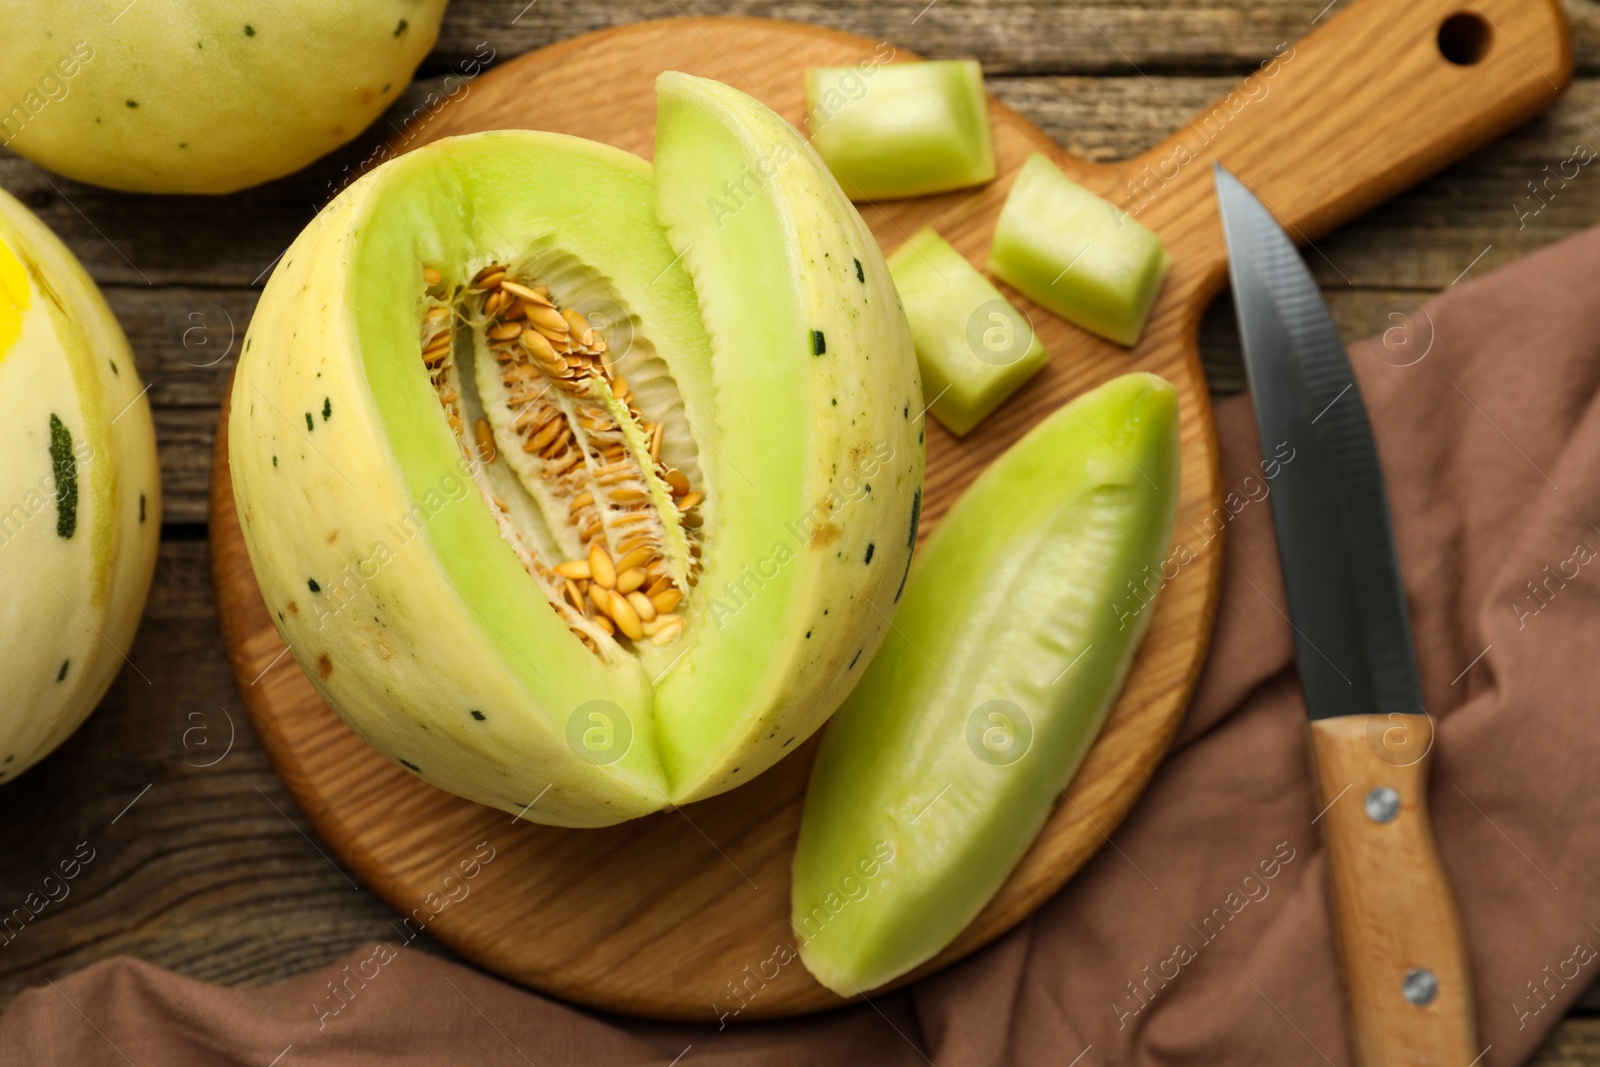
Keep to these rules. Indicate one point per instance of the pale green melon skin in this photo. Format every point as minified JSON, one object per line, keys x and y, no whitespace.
{"x":176,"y":96}
{"x":430,"y":635}
{"x":72,"y":602}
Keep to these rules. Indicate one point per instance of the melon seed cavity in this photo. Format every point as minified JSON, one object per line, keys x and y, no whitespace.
{"x":542,"y":396}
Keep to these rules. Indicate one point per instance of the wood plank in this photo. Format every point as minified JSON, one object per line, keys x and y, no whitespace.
{"x":1575,"y":1043}
{"x":185,"y":341}
{"x":1008,"y":36}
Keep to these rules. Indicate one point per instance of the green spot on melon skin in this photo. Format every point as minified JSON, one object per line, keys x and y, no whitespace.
{"x":410,"y":766}
{"x":327,"y":409}
{"x":114,"y":368}
{"x":819,"y":343}
{"x":249,"y":30}
{"x":861,"y":275}
{"x":480,"y":716}
{"x":133,"y":103}
{"x":911,"y":542}
{"x":65,"y":467}
{"x":309,"y":424}
{"x":311,"y":583}
{"x":141,"y":509}
{"x":401,"y":28}
{"x":274,"y":461}
{"x":61,"y":676}
{"x":870,"y":549}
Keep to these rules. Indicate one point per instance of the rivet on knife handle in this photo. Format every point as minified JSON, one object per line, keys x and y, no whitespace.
{"x":1398,"y":927}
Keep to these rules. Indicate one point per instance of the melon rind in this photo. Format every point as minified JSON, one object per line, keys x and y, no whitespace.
{"x":69,"y":605}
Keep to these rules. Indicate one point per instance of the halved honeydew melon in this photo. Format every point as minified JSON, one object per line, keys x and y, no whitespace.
{"x":80,"y":494}
{"x":483,"y":379}
{"x":1010,"y":645}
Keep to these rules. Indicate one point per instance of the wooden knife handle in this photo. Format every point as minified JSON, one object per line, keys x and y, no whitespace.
{"x":1396,"y":917}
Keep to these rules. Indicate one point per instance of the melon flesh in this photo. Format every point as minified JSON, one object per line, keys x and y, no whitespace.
{"x":80,"y":495}
{"x":975,"y":348}
{"x":1013,"y":639}
{"x":375,"y":530}
{"x":1077,"y":254}
{"x":908,"y":129}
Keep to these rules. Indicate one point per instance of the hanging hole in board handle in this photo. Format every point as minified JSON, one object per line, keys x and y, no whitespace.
{"x":1463,"y":39}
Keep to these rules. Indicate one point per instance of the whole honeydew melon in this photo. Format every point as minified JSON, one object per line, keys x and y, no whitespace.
{"x":80,"y":503}
{"x":580,"y":487}
{"x":200,"y":96}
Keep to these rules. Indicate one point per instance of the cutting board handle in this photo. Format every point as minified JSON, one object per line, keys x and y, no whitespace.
{"x":1400,"y":935}
{"x":1380,"y":95}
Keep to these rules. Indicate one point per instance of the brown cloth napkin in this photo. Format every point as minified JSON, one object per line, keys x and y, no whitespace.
{"x":1203,"y":936}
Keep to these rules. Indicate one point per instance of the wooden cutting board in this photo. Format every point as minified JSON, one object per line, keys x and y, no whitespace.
{"x":684,"y":914}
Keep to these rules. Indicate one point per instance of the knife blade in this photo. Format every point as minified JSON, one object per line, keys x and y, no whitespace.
{"x":1370,"y":738}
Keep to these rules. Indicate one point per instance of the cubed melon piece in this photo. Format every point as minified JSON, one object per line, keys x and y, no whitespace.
{"x":974,"y":347}
{"x":902,"y":130}
{"x":1077,"y":254}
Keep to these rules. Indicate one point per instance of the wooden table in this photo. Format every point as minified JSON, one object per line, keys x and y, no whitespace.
{"x":201,"y":862}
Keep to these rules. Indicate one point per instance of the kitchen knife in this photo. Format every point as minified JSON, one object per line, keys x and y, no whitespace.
{"x":1399,"y":931}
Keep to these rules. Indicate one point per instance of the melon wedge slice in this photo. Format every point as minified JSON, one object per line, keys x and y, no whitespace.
{"x":1013,"y":639}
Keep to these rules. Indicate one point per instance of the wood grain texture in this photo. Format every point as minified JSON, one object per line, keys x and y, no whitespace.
{"x":1394,"y":910}
{"x":560,"y":910}
{"x":1156,"y":37}
{"x":195,"y":878}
